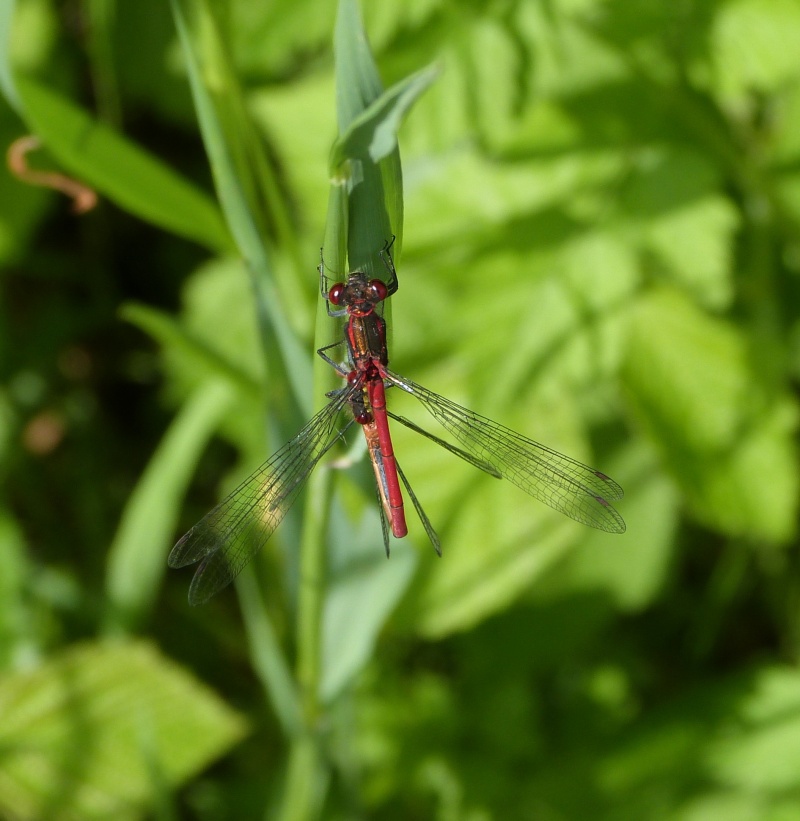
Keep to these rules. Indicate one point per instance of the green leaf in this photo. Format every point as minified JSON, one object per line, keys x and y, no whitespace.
{"x":678,"y":193}
{"x":757,"y":746}
{"x":373,"y":133}
{"x":91,"y":733}
{"x":6,"y":75}
{"x":120,"y":170}
{"x":267,"y":656}
{"x":754,"y":47}
{"x":188,"y":346}
{"x":365,"y":158}
{"x":363,"y":590}
{"x":725,"y":440}
{"x":631,"y":571}
{"x":15,"y":615}
{"x":468,"y":585}
{"x":357,"y":80}
{"x":137,"y":557}
{"x":738,"y":805}
{"x":738,"y":733}
{"x":365,"y":205}
{"x":216,"y":334}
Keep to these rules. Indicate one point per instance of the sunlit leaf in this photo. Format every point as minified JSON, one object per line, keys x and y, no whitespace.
{"x":675,"y":195}
{"x":753,"y":46}
{"x":631,"y":570}
{"x":91,"y":733}
{"x":374,"y":132}
{"x":758,"y":745}
{"x":723,"y":438}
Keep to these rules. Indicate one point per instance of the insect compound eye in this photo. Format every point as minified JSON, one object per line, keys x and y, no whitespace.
{"x":336,"y":292}
{"x":377,"y":290}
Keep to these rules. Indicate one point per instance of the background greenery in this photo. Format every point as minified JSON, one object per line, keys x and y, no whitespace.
{"x":600,"y":250}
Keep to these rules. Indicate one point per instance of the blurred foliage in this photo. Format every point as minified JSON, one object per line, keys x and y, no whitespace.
{"x":601,"y":249}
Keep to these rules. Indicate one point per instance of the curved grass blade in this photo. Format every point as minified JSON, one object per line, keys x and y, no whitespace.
{"x":238,"y":167}
{"x":119,"y":169}
{"x":136,"y":557}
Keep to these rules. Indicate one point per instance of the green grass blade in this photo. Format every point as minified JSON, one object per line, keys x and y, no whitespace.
{"x":357,"y":80}
{"x":16,"y":560}
{"x":216,"y":98}
{"x":136,"y":561}
{"x":372,"y":216}
{"x":364,"y":212}
{"x":100,"y":41}
{"x":164,"y":329}
{"x":363,"y":591}
{"x":6,"y":76}
{"x":267,"y":656}
{"x":118,"y":169}
{"x":373,"y":132}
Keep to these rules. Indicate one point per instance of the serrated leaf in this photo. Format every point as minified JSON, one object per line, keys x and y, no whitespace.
{"x":83,"y":735}
{"x":728,"y":445}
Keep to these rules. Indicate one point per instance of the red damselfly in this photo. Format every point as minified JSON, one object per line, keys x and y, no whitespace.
{"x":227,"y":538}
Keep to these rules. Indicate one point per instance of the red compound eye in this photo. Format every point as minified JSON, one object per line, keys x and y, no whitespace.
{"x":377,"y":290}
{"x":336,"y":292}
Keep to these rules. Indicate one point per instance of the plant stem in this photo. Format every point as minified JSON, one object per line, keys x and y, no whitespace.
{"x":308,"y":774}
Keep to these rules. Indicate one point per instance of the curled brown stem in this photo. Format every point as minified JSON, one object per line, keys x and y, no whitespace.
{"x":83,"y":197}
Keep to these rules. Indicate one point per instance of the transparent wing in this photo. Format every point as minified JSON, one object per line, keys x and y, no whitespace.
{"x":462,"y":454}
{"x":228,"y":537}
{"x":572,"y":488}
{"x":423,"y":516}
{"x":384,"y":523}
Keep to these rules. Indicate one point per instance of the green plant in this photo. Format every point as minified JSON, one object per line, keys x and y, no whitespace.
{"x":598,"y":230}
